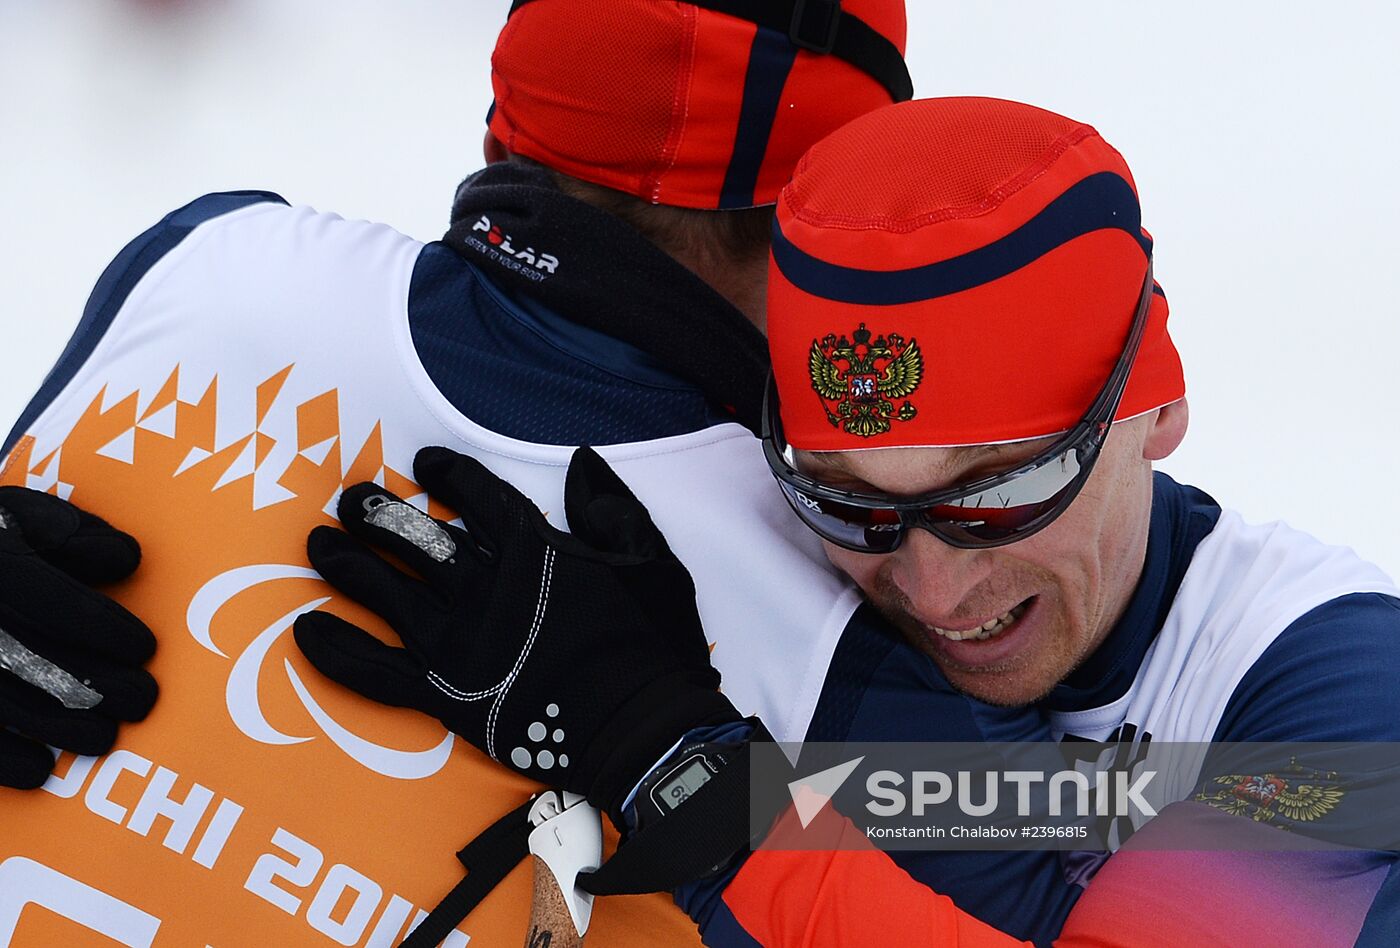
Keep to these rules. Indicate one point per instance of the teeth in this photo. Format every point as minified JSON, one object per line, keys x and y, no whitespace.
{"x":988,"y":629}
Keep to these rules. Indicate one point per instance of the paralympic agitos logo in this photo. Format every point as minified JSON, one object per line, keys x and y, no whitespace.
{"x":242,"y":691}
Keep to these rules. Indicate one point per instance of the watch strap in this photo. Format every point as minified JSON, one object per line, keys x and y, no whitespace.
{"x":695,"y":839}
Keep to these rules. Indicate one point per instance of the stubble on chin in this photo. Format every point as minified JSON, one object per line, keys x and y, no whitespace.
{"x":980,"y":685}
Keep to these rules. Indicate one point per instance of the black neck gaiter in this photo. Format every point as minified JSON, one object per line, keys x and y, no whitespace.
{"x":594,"y":270}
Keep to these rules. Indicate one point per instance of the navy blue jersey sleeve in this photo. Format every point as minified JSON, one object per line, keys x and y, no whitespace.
{"x":116,"y":284}
{"x":703,"y":901}
{"x":1330,"y":676}
{"x":1381,"y":928}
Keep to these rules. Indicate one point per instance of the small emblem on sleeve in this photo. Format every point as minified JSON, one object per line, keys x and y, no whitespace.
{"x":1293,"y":795}
{"x":861,"y":380}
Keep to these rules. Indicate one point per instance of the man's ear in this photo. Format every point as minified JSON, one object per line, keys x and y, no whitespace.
{"x":494,"y":149}
{"x":1167,"y":431}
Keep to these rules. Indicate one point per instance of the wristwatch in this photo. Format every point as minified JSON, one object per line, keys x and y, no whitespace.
{"x":676,"y":778}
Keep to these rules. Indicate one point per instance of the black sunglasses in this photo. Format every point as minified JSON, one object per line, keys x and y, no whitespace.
{"x":988,"y":512}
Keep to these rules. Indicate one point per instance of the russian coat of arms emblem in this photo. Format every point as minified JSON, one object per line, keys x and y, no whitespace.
{"x":862,"y":380}
{"x":1294,"y":794}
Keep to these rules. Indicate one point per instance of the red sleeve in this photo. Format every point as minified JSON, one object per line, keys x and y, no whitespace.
{"x":839,"y":890}
{"x":1298,"y":893}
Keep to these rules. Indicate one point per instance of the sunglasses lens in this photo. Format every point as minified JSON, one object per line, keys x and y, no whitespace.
{"x":1012,"y":509}
{"x":863,"y":529}
{"x":1008,"y":511}
{"x":968,"y":527}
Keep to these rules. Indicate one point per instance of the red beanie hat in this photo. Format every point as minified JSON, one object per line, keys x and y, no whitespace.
{"x":959,"y":271}
{"x":681,"y":104}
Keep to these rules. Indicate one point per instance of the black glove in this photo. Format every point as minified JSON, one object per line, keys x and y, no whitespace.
{"x":576,"y":659}
{"x":70,"y":658}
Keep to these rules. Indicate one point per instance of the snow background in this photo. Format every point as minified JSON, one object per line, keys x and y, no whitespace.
{"x":1263,"y":137}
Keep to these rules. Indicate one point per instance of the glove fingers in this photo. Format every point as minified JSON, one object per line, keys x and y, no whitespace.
{"x":128,"y":692}
{"x":603,"y":511}
{"x":488,"y":505}
{"x":24,"y":764}
{"x":355,"y":569}
{"x":97,"y":553}
{"x":427,"y":546}
{"x":352,"y":657}
{"x":40,"y":716}
{"x":39,"y":604}
{"x":81,"y":544}
{"x":123,"y":692}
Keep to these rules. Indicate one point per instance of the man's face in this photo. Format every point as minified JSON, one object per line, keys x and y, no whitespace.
{"x":1042,"y":604}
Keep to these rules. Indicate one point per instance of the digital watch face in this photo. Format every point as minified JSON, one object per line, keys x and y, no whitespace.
{"x":692,"y":774}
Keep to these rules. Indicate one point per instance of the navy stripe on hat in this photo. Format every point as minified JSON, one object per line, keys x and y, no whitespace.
{"x":1103,"y":201}
{"x":770,"y":61}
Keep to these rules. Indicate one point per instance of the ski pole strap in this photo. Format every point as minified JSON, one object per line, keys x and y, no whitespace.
{"x":693,"y":841}
{"x":488,"y":859}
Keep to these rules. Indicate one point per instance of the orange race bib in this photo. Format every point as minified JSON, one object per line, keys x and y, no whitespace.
{"x":260,"y":804}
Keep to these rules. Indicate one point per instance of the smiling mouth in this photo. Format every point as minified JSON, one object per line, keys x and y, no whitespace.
{"x":987,"y":630}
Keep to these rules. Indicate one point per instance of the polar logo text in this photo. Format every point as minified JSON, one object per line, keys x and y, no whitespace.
{"x":501,"y":242}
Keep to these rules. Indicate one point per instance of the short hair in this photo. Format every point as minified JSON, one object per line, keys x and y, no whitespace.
{"x":685,"y":233}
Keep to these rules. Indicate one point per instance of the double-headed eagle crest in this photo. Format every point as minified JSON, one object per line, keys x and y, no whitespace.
{"x":860,"y":380}
{"x":1297,"y":794}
